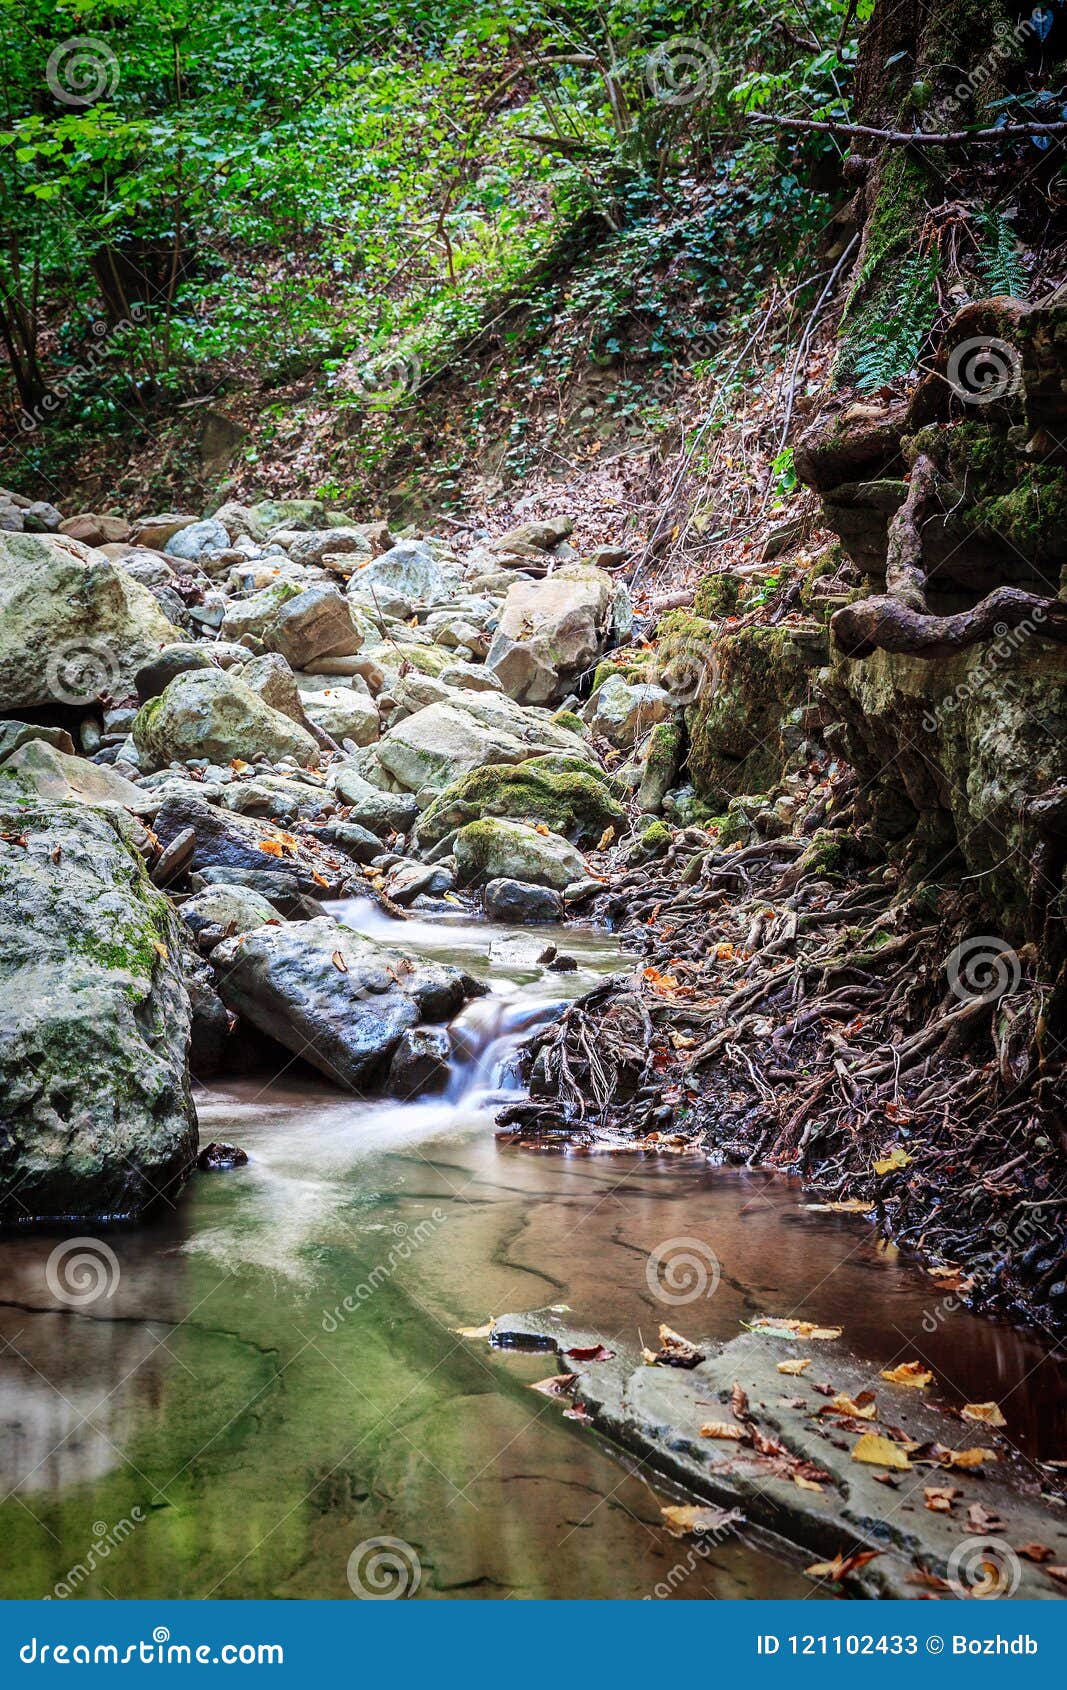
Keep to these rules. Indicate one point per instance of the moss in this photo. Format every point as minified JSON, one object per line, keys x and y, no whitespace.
{"x":574,"y":804}
{"x":629,"y":665}
{"x":664,"y":743}
{"x":573,"y":724}
{"x":656,"y":839}
{"x":1032,"y":516}
{"x":735,"y":727}
{"x":716,"y":595}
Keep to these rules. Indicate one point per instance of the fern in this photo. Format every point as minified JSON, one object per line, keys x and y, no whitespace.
{"x":907,"y":311}
{"x":1001,"y":268}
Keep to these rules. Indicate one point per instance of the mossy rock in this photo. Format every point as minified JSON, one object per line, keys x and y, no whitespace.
{"x":717,"y":595}
{"x":573,"y":803}
{"x":629,"y":665}
{"x":574,"y":724}
{"x":762,"y":674}
{"x":497,"y":848}
{"x":656,"y":839}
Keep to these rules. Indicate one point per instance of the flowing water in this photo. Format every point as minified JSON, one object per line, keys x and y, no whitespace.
{"x":271,"y":1375}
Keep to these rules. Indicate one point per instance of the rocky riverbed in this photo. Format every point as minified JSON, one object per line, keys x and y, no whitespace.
{"x":215,"y":727}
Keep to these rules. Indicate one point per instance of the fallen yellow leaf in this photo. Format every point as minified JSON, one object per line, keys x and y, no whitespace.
{"x":897,"y":1158}
{"x":605,"y":839}
{"x":911,"y":1373}
{"x":862,"y":1407}
{"x":877,"y":1451}
{"x":799,"y":1366}
{"x":987,"y":1412}
{"x":723,"y":1429}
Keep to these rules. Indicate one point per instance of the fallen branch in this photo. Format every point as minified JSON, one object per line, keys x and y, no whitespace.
{"x":912,"y":137}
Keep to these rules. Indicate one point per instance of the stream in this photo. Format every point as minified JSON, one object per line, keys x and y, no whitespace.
{"x":273,"y":1374}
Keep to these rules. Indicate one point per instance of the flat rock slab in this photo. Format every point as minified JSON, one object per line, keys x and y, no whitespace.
{"x":659,"y":1410}
{"x":225,"y":840}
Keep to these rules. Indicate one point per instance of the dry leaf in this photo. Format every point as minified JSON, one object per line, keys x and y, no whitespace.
{"x":911,"y":1373}
{"x":339,"y":963}
{"x":877,"y":1451}
{"x":589,"y":1352}
{"x":969,"y":1457}
{"x":683,"y":1519}
{"x":987,"y":1412}
{"x":781,"y":1326}
{"x":897,"y":1158}
{"x":842,"y":1564}
{"x":982,"y":1520}
{"x":939,"y":1498}
{"x":794,"y":1367}
{"x":272,"y":847}
{"x":806,"y":1484}
{"x":674,"y":1351}
{"x":863,"y":1407}
{"x":160,"y":949}
{"x":1036,"y":1552}
{"x":1057,"y":1573}
{"x":723,"y":1429}
{"x":557,"y":1386}
{"x":605,"y":839}
{"x":847,"y":1206}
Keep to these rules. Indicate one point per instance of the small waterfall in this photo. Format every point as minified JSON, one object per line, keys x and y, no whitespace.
{"x":486,"y":1036}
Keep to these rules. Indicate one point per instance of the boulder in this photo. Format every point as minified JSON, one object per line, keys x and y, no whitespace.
{"x":252,"y":616}
{"x":370,"y":807}
{"x":472,"y":677}
{"x":94,"y":1025}
{"x":275,"y":796}
{"x":14,"y":734}
{"x":421,"y":1063}
{"x":515,"y":901}
{"x":333,"y":997}
{"x":408,"y":573}
{"x":550,"y":631}
{"x":572,"y":802}
{"x":348,"y":543}
{"x":57,"y":775}
{"x":73,"y":626}
{"x":240,"y":520}
{"x":436,"y":746}
{"x":213,"y":714}
{"x":233,"y":909}
{"x":299,"y":514}
{"x":155,"y":531}
{"x":497,"y":849}
{"x":155,"y":676}
{"x":313,"y":624}
{"x":92,"y":530}
{"x":244,"y":845}
{"x":624,"y":713}
{"x":271,"y":679}
{"x":199,"y":539}
{"x":344,"y":713}
{"x":354,"y":841}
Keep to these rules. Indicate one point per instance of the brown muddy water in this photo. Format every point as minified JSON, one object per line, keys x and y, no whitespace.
{"x":270,"y":1376}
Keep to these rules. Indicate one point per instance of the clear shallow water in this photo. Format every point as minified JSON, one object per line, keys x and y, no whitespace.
{"x":276,"y":1377}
